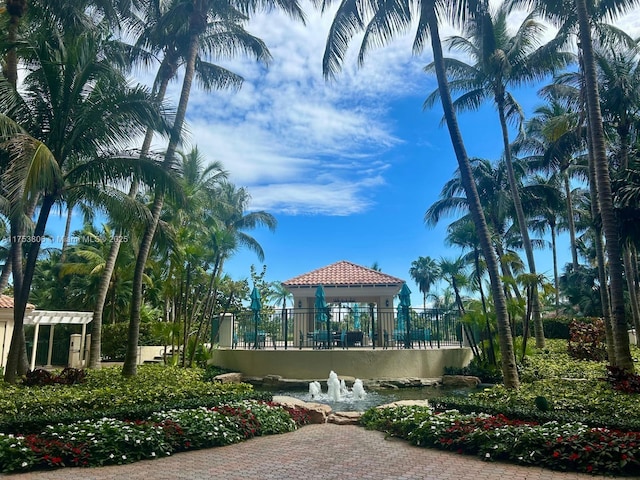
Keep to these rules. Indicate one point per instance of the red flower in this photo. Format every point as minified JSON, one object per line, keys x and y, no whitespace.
{"x":556,"y":454}
{"x":574,"y":456}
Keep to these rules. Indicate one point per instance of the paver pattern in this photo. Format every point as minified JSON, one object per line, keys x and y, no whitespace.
{"x":320,"y":452}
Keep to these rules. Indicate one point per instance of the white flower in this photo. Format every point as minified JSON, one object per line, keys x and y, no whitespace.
{"x":24,"y":464}
{"x":153,"y":454}
{"x":111,"y":456}
{"x":487,"y":455}
{"x":124,"y":457}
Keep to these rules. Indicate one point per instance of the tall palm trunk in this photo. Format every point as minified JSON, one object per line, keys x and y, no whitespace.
{"x":110,"y":263}
{"x":67,"y":233}
{"x":16,"y":9}
{"x":631,"y":286}
{"x":556,"y":277}
{"x":524,"y":231}
{"x":600,"y":257}
{"x":22,"y":279}
{"x":6,"y":270}
{"x":571,"y":222}
{"x":130,"y":367}
{"x":623,"y":357}
{"x":509,"y":372}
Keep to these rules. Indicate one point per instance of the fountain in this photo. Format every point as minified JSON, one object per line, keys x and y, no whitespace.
{"x":358,"y":390}
{"x":333,"y":387}
{"x":315,"y":390}
{"x":338,"y":394}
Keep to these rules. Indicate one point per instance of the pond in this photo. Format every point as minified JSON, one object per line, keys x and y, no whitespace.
{"x":373,"y":398}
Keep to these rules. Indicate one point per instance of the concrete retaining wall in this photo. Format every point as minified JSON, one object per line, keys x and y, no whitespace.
{"x":358,"y":363}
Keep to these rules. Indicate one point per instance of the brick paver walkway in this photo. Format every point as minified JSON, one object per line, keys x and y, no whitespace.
{"x":320,"y":452}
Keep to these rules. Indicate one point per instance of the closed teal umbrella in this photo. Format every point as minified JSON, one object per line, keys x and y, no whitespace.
{"x":356,"y":317}
{"x":256,"y":306}
{"x":405,"y":303}
{"x":321,"y":310}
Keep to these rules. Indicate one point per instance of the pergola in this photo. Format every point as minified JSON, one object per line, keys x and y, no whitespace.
{"x":343,"y":282}
{"x":53,"y":318}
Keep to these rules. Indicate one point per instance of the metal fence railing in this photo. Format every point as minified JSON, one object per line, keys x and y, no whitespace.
{"x":343,"y":328}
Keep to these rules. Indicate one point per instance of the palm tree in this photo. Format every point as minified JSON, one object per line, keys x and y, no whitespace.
{"x":425,"y":273}
{"x":380,"y":23}
{"x":76,"y":107}
{"x":547,"y":210}
{"x":554,"y":138}
{"x":501,"y":62}
{"x":496,"y":202}
{"x":586,"y":15}
{"x":623,"y":357}
{"x":196,"y":15}
{"x":619,"y":80}
{"x":223,"y":36}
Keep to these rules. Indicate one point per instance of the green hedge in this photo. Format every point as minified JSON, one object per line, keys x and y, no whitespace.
{"x":24,"y":422}
{"x":114,"y":339}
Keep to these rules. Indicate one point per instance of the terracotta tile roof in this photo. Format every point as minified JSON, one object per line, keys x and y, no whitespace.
{"x":342,"y":274}
{"x":6,"y":301}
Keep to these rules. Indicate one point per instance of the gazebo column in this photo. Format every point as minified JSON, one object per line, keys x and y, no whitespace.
{"x":50,"y":350}
{"x":301,"y":320}
{"x":34,"y":349}
{"x":83,"y":336}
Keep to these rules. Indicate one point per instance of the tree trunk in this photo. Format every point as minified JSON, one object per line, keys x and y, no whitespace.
{"x":600,"y":258}
{"x":605,"y":198}
{"x":67,"y":233}
{"x":556,"y":277}
{"x":130,"y":368}
{"x":22,"y":279}
{"x":105,"y":279}
{"x":571,"y":223}
{"x":510,"y":374}
{"x":524,"y":231}
{"x":631,"y":287}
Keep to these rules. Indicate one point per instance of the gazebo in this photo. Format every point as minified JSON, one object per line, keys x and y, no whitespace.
{"x":38,"y":318}
{"x":344,"y":282}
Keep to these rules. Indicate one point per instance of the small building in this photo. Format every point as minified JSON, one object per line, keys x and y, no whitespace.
{"x":6,"y":326}
{"x":345,"y":282}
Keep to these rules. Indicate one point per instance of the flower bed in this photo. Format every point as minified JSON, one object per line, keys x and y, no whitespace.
{"x":111,"y":441}
{"x":571,"y":446}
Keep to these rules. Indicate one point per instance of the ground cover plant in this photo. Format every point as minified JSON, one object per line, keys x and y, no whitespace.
{"x":553,"y":445}
{"x":568,"y":414}
{"x":162,"y":411}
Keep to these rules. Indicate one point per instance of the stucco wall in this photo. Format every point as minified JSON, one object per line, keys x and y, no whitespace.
{"x":360,"y":363}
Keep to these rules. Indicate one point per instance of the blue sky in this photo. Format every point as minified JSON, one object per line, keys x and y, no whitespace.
{"x":349,"y":166}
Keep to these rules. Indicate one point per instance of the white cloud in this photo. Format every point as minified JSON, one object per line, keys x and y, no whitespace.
{"x":287,"y":127}
{"x":289,"y":135}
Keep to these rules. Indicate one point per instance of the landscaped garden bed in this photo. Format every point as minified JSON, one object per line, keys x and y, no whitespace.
{"x":112,"y":420}
{"x":568,"y":414}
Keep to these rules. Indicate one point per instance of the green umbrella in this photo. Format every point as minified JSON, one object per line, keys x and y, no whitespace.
{"x":356,"y":317}
{"x":256,"y":306}
{"x":321,"y":310}
{"x":405,"y":303}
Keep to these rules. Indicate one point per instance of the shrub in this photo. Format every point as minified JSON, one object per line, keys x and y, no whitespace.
{"x":114,"y":345}
{"x":622,"y":380}
{"x":107,"y":393}
{"x":40,"y":377}
{"x":111,"y":441}
{"x":587,"y":340}
{"x":571,"y":446}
